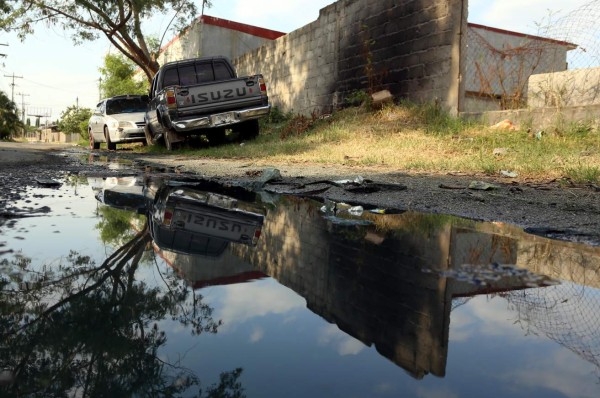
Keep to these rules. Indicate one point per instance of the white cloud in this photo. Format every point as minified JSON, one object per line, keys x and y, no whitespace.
{"x":561,"y":373}
{"x":432,"y":392}
{"x":257,"y":335}
{"x":344,"y":344}
{"x":245,"y":301}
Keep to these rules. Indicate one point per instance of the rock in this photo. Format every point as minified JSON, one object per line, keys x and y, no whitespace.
{"x":380,"y":98}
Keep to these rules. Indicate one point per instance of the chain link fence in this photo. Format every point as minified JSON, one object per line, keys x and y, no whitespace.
{"x":559,"y":66}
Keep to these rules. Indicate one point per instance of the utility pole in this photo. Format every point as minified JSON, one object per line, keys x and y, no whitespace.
{"x":12,"y":95}
{"x":100,"y":89}
{"x":23,"y":105}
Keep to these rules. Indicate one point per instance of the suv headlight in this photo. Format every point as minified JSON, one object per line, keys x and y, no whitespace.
{"x":126,"y":124}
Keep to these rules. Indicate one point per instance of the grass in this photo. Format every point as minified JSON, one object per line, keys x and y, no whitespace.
{"x":418,"y":138}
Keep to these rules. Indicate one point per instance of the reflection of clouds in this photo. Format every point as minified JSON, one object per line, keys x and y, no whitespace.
{"x":560,"y":372}
{"x":257,"y":334}
{"x":345,"y":344}
{"x":245,"y":301}
{"x":384,"y":388}
{"x":429,"y":392}
{"x":490,"y":315}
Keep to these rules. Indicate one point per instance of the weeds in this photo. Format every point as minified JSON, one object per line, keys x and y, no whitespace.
{"x":420,"y":138}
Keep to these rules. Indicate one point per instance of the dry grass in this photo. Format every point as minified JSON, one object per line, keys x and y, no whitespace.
{"x":422,"y":138}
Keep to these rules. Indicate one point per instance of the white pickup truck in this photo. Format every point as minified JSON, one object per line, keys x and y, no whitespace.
{"x":203,"y":96}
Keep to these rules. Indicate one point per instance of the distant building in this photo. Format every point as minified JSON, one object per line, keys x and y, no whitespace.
{"x":208,"y":36}
{"x":499,"y":63}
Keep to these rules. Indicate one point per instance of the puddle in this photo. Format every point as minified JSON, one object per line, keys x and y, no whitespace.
{"x":182,"y":286}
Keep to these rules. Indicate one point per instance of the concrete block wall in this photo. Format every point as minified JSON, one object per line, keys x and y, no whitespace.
{"x":410,"y":47}
{"x":578,"y":87}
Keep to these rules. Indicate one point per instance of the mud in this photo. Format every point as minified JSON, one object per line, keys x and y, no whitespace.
{"x":554,"y":208}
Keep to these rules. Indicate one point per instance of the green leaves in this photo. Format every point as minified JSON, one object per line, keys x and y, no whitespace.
{"x":9,"y":120}
{"x":121,"y":22}
{"x":118,"y":77}
{"x":74,"y":120}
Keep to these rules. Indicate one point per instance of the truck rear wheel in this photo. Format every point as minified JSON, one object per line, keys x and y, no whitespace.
{"x":170,"y":140}
{"x":148,"y":134}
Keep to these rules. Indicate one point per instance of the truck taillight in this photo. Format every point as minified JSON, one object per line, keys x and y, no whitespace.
{"x":262,"y":85}
{"x":168,"y":217}
{"x":171,"y":100}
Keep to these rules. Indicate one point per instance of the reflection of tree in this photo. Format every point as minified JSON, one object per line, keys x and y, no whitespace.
{"x":81,"y":329}
{"x":115,"y":225}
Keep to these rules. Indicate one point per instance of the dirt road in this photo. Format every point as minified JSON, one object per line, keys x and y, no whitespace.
{"x":557,"y":209}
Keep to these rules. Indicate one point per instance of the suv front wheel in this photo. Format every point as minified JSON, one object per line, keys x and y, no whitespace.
{"x":109,"y":144}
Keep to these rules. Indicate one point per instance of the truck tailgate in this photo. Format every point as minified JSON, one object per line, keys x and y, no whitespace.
{"x":224,"y":95}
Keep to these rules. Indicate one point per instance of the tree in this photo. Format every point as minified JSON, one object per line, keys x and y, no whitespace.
{"x":120,"y":21}
{"x":117,"y":77}
{"x":75,"y":120}
{"x":9,"y":120}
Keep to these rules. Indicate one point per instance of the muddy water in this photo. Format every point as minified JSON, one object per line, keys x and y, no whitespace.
{"x":134,"y":287}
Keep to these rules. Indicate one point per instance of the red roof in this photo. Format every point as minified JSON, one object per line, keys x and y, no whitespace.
{"x":241,"y":27}
{"x":237,"y":26}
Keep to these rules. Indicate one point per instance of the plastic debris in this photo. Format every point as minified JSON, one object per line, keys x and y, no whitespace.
{"x":500,"y":151}
{"x":509,"y":174}
{"x":506,"y":124}
{"x":357,"y":180}
{"x":482,"y":186}
{"x":356,"y":211}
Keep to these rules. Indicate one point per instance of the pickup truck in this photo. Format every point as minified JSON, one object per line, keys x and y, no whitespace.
{"x":203,"y":96}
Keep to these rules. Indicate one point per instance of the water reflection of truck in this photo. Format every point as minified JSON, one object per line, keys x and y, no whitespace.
{"x":191,"y":221}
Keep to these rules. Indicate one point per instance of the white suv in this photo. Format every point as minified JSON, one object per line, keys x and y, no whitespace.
{"x":117,"y":120}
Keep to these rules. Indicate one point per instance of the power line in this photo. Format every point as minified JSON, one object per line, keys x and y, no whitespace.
{"x":12,"y":95}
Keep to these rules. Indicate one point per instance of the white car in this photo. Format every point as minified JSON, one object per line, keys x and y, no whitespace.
{"x":118,"y":120}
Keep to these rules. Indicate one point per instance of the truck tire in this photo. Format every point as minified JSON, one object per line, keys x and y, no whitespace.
{"x":111,"y":146}
{"x":249,"y":129}
{"x":149,"y":136}
{"x":170,"y":144}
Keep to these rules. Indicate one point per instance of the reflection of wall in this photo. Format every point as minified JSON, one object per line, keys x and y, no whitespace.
{"x":371,"y":285}
{"x":371,"y":289}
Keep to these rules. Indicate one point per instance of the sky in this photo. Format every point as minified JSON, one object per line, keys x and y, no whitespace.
{"x":51,"y":73}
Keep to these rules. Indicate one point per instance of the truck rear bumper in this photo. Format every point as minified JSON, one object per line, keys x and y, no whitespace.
{"x":220,"y":119}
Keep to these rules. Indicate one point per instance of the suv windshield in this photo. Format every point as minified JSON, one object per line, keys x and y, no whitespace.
{"x":125,"y":105}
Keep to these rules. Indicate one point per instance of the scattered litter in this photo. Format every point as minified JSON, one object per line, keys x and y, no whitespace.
{"x":482,"y":186}
{"x":500,"y":151}
{"x":506,"y":124}
{"x":356,"y":211}
{"x":509,"y":174}
{"x":539,"y":134}
{"x":357,"y":180}
{"x":488,"y":274}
